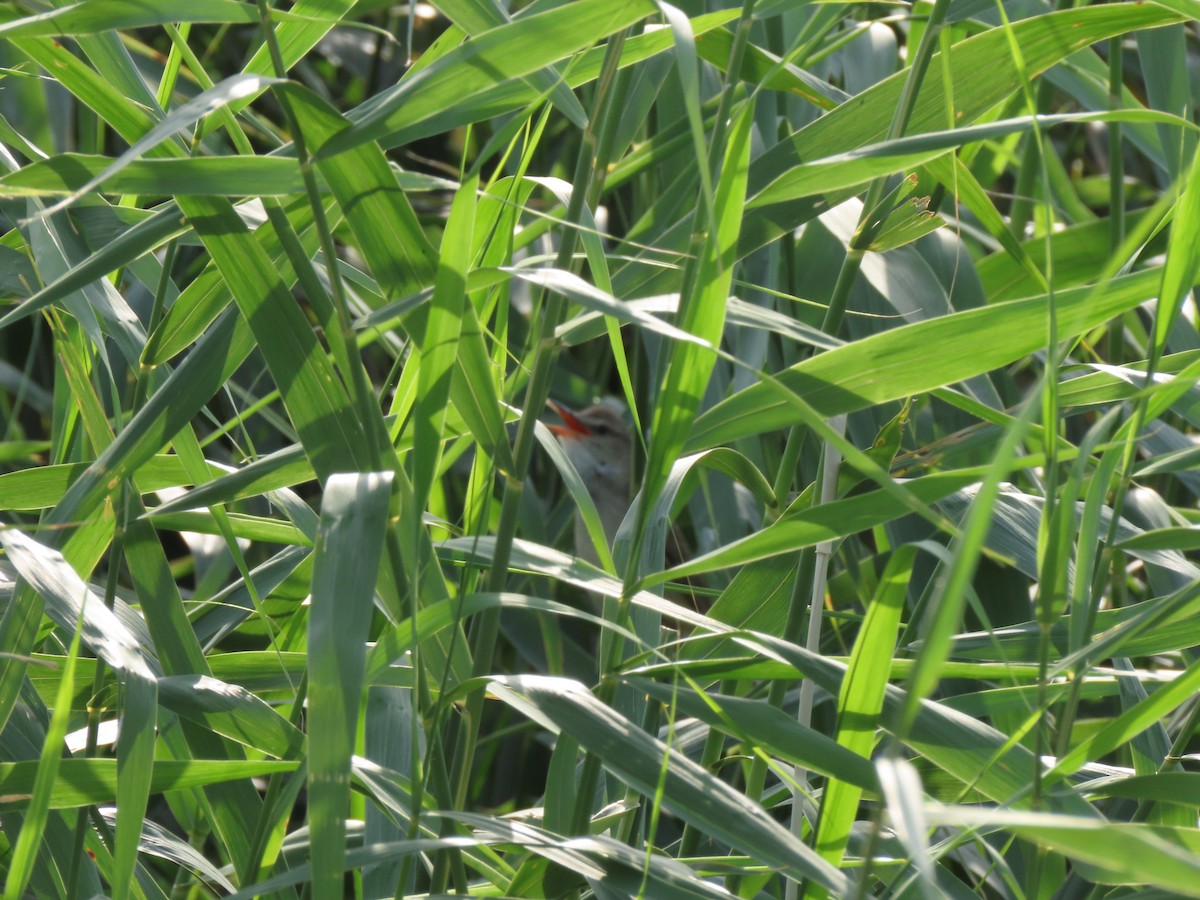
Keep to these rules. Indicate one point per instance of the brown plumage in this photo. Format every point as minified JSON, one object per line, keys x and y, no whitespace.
{"x":600,"y":446}
{"x":599,"y":443}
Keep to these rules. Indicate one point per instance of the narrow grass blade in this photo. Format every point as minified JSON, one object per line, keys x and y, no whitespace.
{"x":702,"y":313}
{"x":69,"y":600}
{"x":183,"y":117}
{"x":1108,"y":852}
{"x":689,"y":791}
{"x":916,"y":358}
{"x":29,"y":840}
{"x":439,"y":346}
{"x":772,"y":731}
{"x":509,"y":52}
{"x":376,"y":208}
{"x":1183,"y":258}
{"x":232,"y":711}
{"x":137,"y":240}
{"x":93,"y":782}
{"x":808,"y":526}
{"x":853,"y":168}
{"x":317,"y":403}
{"x":110,"y":15}
{"x":861,"y":699}
{"x":1146,"y":714}
{"x":354,"y":513}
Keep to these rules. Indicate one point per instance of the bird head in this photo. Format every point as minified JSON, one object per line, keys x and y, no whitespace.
{"x":600,"y":446}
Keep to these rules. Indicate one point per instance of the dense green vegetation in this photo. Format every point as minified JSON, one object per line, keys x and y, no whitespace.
{"x":900,"y":297}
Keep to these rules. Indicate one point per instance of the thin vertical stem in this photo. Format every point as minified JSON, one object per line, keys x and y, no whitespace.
{"x":1116,"y":186}
{"x":824,"y":550}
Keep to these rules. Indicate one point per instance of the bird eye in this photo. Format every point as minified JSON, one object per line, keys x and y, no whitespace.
{"x":602,"y":430}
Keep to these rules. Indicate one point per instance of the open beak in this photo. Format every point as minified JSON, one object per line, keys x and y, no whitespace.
{"x":572,"y":428}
